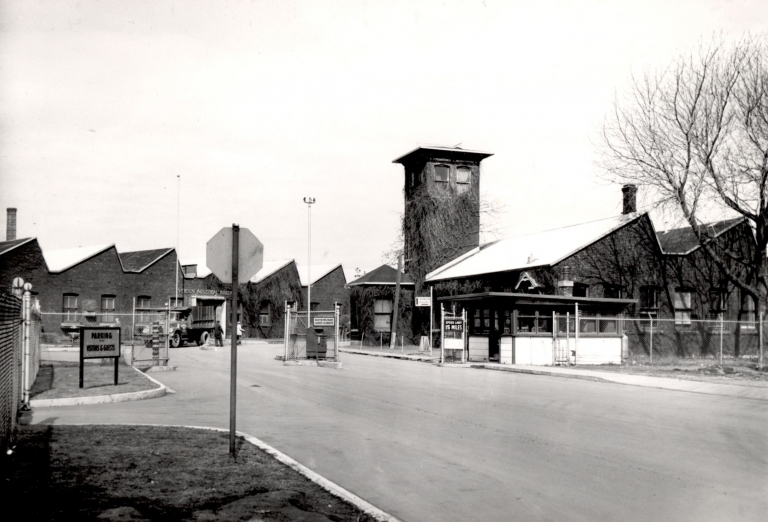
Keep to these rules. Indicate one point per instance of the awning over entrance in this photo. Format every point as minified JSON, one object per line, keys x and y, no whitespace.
{"x":512,"y":299}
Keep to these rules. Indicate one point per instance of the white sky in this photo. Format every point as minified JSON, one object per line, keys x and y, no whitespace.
{"x":258,"y":104}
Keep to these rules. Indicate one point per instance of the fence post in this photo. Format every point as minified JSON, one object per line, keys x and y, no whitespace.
{"x":336,"y":314}
{"x":650,"y":351}
{"x":760,"y":337}
{"x":26,"y":313}
{"x":721,"y":338}
{"x":133,"y":331}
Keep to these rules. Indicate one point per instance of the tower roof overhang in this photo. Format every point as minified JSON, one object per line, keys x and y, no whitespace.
{"x":424,"y":153}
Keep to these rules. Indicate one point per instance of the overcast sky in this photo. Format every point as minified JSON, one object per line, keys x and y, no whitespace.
{"x":258,"y":104}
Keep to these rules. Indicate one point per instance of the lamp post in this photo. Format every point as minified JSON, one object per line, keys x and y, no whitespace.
{"x":309,"y":202}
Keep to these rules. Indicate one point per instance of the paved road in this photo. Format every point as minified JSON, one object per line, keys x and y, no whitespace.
{"x":436,"y":444}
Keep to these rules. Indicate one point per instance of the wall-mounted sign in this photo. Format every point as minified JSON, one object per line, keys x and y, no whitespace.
{"x":454,"y":325}
{"x":197,"y":291}
{"x":423,"y":301}
{"x":322,"y":321}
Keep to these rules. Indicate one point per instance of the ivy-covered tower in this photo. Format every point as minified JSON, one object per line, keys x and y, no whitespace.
{"x":441,"y":220}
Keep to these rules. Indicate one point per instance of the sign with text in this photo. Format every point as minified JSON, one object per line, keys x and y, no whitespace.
{"x":99,"y":343}
{"x":96,"y":343}
{"x":322,"y":321}
{"x":423,"y":301}
{"x":454,"y":325}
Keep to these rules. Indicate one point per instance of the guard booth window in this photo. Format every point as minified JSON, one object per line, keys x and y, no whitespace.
{"x":264,"y":317}
{"x":442,"y":173}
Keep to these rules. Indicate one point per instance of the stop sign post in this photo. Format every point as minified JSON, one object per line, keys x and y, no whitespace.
{"x":234,"y":255}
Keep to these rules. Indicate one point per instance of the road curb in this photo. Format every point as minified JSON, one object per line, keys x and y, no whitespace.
{"x":543,"y":372}
{"x":389,"y":355}
{"x":363,"y":505}
{"x":104,"y":399}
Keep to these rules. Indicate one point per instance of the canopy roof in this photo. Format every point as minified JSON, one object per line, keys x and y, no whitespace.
{"x":512,"y":298}
{"x":421,"y":153}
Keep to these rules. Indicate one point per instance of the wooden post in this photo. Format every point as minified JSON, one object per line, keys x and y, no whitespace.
{"x":233,"y":338}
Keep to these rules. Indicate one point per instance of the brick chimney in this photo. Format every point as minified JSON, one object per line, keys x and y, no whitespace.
{"x":10,"y":227}
{"x":630,"y":199}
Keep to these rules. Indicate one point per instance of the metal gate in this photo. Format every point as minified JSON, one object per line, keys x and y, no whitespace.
{"x":326,"y":328}
{"x":563,"y":339}
{"x":150,"y":338}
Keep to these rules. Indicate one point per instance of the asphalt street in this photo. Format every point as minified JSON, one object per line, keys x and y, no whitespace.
{"x":426,"y":443}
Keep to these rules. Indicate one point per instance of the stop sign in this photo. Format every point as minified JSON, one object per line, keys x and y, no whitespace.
{"x":218,"y":255}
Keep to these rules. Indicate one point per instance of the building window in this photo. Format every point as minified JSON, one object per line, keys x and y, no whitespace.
{"x":314,"y":306}
{"x":107,"y":308}
{"x":747,"y":310}
{"x":611,"y":291}
{"x":649,"y":300}
{"x":442,"y":173}
{"x":718,"y":303}
{"x":176,"y":301}
{"x":143,"y":302}
{"x":264,"y":316}
{"x":463,"y":175}
{"x":382,"y":309}
{"x":682,"y":306}
{"x":69,"y":308}
{"x":580,"y":290}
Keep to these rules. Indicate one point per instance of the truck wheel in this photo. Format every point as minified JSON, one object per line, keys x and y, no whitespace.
{"x":203,"y":339}
{"x":176,"y":340}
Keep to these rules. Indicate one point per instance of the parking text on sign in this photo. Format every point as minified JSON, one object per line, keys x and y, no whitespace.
{"x":322,"y":321}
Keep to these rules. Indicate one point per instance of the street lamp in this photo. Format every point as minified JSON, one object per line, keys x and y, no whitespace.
{"x":309,"y":202}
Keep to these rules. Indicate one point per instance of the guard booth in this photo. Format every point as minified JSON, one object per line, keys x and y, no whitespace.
{"x":536,"y":329}
{"x":453,"y":328}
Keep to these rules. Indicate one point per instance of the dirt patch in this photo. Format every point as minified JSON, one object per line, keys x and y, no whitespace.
{"x":706,"y":370}
{"x":61,"y":380}
{"x":158,"y":473}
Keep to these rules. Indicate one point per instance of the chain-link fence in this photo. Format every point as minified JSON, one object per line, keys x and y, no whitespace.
{"x":682,"y":337}
{"x":10,"y":366}
{"x":144,"y":333}
{"x":323,"y":339}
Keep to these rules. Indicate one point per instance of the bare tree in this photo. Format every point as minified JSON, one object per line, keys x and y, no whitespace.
{"x":695,"y":136}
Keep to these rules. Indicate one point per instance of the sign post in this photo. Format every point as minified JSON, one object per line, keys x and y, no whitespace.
{"x":234,"y":255}
{"x":99,"y":343}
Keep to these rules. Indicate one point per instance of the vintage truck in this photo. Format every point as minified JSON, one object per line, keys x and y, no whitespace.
{"x":191,"y":324}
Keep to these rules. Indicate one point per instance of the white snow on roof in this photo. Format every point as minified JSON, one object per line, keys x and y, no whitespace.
{"x":318,"y":272}
{"x":528,"y":251}
{"x":60,"y":260}
{"x":269,"y":268}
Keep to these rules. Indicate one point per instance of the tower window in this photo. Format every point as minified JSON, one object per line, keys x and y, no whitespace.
{"x":442,"y":173}
{"x":463,"y":175}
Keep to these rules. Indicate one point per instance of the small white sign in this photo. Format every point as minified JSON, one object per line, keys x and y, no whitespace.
{"x":422,"y":301}
{"x":323,"y":321}
{"x":100,"y":342}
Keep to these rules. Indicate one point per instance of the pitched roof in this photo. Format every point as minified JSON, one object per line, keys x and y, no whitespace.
{"x":318,"y":272}
{"x":531,"y":250}
{"x":683,"y":240}
{"x":61,"y":260}
{"x":384,"y":275}
{"x":269,"y":268}
{"x":140,"y":260}
{"x":7,"y":246}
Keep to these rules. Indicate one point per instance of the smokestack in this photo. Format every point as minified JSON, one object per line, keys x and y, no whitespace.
{"x":630,"y":199}
{"x":10,"y":226}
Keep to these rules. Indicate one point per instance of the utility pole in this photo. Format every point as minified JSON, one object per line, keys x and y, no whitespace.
{"x":393,"y":326}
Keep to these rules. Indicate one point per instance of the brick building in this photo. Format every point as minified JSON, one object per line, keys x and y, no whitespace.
{"x":372,"y":298}
{"x":329,"y":286}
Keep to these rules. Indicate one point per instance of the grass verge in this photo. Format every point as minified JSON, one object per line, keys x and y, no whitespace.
{"x":61,"y":380}
{"x":68,"y":473}
{"x":704,"y":369}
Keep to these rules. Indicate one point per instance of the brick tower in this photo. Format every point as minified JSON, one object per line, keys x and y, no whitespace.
{"x":441,"y":220}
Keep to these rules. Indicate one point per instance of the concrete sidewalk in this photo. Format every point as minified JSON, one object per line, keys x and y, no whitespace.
{"x":740,"y":389}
